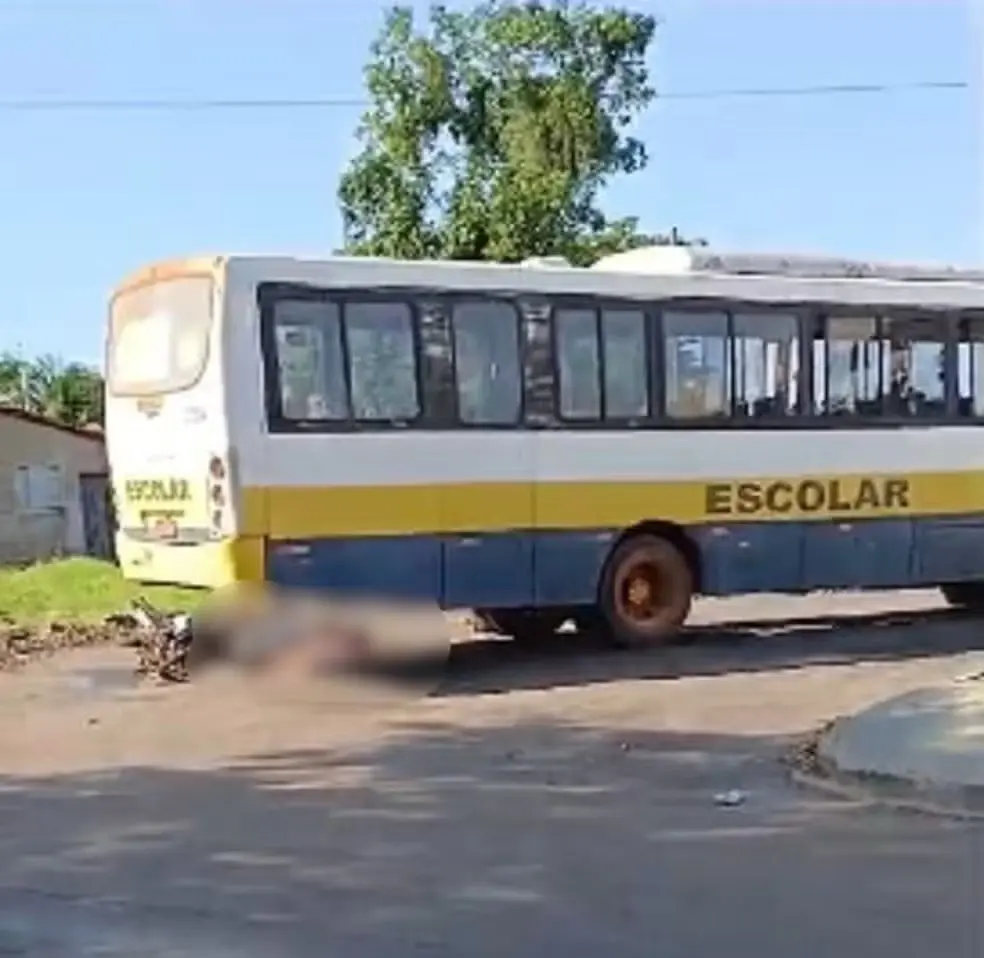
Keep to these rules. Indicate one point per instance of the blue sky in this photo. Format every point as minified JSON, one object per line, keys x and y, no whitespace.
{"x":85,"y":197}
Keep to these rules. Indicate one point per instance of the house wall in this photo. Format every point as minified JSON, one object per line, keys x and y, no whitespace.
{"x":27,"y":534}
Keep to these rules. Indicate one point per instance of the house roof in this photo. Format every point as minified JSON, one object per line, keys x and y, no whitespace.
{"x":86,"y":432}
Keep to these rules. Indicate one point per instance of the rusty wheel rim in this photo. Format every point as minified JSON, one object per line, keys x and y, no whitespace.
{"x":641,"y":592}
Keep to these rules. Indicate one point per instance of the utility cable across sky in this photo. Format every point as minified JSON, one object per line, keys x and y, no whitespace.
{"x":205,"y":104}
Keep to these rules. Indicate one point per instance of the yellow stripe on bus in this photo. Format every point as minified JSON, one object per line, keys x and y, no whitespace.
{"x":286,"y":512}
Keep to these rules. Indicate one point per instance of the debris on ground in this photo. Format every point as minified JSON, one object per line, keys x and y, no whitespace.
{"x":128,"y":627}
{"x":731,"y":798}
{"x":161,"y":641}
{"x":311,"y":639}
{"x":20,"y":644}
{"x":804,"y":755}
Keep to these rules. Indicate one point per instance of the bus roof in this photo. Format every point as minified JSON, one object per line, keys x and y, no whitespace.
{"x":677,"y":260}
{"x":660,"y":272}
{"x":661,"y":260}
{"x":164,"y":270}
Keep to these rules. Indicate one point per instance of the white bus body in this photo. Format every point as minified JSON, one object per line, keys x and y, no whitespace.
{"x":785,"y":487}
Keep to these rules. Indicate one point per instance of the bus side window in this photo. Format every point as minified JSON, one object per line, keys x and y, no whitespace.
{"x":382,"y":361}
{"x":310,"y":370}
{"x":626,"y":367}
{"x":916,"y":366}
{"x":848,"y":367}
{"x":889,"y":366}
{"x":970,"y":368}
{"x":578,"y":363}
{"x":697,"y":371}
{"x":766,"y":357}
{"x":487,"y":363}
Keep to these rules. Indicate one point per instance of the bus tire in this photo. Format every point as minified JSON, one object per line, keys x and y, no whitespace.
{"x":964,"y":595}
{"x":646,"y":591}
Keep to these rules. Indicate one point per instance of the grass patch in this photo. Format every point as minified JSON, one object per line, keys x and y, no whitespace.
{"x":80,"y":590}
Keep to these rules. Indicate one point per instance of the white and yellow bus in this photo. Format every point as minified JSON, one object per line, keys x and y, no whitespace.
{"x":540,"y":442}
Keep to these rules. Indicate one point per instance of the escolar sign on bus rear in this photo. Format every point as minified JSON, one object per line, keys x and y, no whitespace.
{"x":811,"y":496}
{"x":157,"y":490}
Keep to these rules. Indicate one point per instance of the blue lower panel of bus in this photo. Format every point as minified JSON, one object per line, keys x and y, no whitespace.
{"x":563,"y":568}
{"x":790,"y":557}
{"x":487,"y":570}
{"x":498,"y":570}
{"x":401,"y":567}
{"x":949,"y":550}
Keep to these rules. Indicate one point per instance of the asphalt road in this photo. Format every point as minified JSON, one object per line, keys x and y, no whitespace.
{"x":541,"y":800}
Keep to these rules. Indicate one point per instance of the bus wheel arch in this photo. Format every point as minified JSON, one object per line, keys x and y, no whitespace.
{"x":648,"y":582}
{"x":676,"y":535}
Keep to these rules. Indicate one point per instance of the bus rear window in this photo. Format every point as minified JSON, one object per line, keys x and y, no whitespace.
{"x":159,"y":336}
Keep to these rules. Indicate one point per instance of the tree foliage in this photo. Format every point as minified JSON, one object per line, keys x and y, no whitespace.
{"x":491,"y":133}
{"x":70,"y":393}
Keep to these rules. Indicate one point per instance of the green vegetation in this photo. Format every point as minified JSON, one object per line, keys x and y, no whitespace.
{"x":491,"y":133}
{"x":69,"y":393}
{"x":79,"y":590}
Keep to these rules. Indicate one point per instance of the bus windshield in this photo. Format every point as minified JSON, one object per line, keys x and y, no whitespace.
{"x":159,"y":336}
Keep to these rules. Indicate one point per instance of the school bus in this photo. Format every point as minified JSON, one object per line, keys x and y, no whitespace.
{"x":541,"y":442}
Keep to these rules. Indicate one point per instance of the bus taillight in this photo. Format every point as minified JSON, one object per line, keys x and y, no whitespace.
{"x":218,"y":494}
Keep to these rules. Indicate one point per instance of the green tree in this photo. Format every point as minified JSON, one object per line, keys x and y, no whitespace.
{"x":13,"y":379}
{"x":491,"y":134}
{"x":70,"y":393}
{"x":75,"y":395}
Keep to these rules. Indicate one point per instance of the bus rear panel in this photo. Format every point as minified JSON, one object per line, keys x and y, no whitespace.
{"x":167,"y":436}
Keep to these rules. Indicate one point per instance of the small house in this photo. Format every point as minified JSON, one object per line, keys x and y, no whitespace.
{"x":54,"y":497}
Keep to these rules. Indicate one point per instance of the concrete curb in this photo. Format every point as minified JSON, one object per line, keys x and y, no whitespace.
{"x":814,"y":766}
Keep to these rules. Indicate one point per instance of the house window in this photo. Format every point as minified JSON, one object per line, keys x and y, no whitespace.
{"x":39,"y":488}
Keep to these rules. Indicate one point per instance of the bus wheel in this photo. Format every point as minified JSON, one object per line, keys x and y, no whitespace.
{"x":964,"y":595}
{"x":646,"y":591}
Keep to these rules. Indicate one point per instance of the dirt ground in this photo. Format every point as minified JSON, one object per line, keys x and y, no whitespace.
{"x":557,"y":798}
{"x":82,"y":709}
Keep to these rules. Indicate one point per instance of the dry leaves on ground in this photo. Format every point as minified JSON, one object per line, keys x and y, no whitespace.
{"x":20,"y":644}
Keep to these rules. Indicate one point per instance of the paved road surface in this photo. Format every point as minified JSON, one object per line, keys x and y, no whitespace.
{"x":542,"y":801}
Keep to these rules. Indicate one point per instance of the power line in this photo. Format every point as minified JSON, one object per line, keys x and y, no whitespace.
{"x":60,"y":105}
{"x":834,"y":89}
{"x":37,"y":105}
